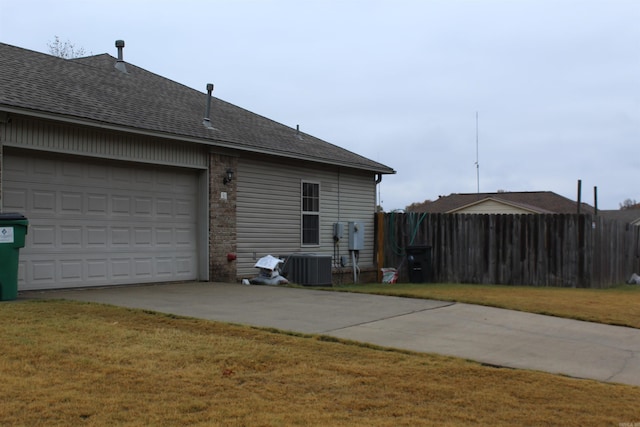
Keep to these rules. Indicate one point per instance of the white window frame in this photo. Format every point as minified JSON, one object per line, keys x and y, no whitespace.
{"x":304,"y":213}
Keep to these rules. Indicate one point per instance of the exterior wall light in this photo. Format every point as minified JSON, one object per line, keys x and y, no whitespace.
{"x":227,"y":177}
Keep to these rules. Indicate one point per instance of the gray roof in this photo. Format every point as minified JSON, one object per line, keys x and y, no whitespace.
{"x":625,"y":216}
{"x":536,"y":201}
{"x":91,"y":91}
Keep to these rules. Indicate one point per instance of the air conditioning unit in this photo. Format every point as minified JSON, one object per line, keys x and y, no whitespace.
{"x":308,"y":269}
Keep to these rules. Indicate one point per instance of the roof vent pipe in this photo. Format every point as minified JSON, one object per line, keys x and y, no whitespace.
{"x":120,"y":65}
{"x":207,"y":121}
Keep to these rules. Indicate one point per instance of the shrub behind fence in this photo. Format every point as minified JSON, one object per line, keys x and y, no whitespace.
{"x":539,"y":250}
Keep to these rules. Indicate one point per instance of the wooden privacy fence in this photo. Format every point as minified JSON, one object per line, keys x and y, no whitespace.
{"x":539,"y":250}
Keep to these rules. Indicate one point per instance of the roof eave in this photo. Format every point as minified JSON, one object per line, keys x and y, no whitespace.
{"x":218,"y":143}
{"x":502,"y":202}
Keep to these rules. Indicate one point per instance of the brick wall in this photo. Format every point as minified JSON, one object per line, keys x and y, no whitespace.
{"x":222,"y":218}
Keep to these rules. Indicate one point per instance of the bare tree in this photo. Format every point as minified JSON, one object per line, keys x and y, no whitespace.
{"x":418,"y":206}
{"x":629,"y":204}
{"x":66,"y":50}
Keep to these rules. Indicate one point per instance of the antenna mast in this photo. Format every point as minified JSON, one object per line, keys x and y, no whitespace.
{"x":477,"y":159}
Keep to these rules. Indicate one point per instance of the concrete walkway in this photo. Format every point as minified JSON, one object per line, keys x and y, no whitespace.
{"x":488,"y":335}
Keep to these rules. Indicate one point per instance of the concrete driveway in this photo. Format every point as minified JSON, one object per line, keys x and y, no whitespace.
{"x":488,"y":335}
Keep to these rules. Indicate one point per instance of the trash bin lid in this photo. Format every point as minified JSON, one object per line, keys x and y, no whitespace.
{"x":12,"y":216}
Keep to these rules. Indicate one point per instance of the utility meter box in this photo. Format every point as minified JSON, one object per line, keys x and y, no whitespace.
{"x":337,"y":231}
{"x":356,"y":236}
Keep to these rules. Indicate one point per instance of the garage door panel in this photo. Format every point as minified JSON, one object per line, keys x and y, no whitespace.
{"x":43,"y":202}
{"x":14,"y":199}
{"x":18,"y":167}
{"x":100,"y":224}
{"x":164,"y":182}
{"x":97,"y":270}
{"x":41,"y":236}
{"x":143,"y":267}
{"x":143,"y":236}
{"x":42,"y":169}
{"x":164,"y":266}
{"x":184,"y":236}
{"x":164,"y":237}
{"x":43,"y":271}
{"x":97,"y":175}
{"x":120,"y":268}
{"x":120,"y":238}
{"x":144,"y":176}
{"x":96,"y":237}
{"x":143,"y":207}
{"x":71,"y":270}
{"x":72,"y":170}
{"x":71,"y":203}
{"x":96,"y":204}
{"x":121,"y":205}
{"x":53,"y":272}
{"x":121,"y":177}
{"x":184,"y":265}
{"x":164,"y":207}
{"x":71,"y":237}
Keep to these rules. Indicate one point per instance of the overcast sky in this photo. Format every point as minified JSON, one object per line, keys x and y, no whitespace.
{"x":555,"y":83}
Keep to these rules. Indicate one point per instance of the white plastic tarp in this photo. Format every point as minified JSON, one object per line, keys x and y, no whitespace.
{"x":269,"y":262}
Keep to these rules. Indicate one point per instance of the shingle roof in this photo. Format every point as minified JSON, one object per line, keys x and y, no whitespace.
{"x":536,"y":201}
{"x":626,"y":216}
{"x":92,"y":91}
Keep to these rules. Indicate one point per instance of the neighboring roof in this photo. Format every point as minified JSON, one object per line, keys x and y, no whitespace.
{"x":626,"y":216}
{"x":533,"y":201}
{"x":91,"y":91}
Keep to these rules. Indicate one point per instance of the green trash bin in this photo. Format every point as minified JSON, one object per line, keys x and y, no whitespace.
{"x":13,"y":229}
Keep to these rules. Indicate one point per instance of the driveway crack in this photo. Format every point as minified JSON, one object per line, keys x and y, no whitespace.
{"x":444,"y":305}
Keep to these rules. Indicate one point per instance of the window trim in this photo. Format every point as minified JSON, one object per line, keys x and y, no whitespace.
{"x":304,"y":213}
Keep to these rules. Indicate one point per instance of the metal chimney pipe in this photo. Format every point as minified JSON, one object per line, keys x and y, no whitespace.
{"x":207,"y":121}
{"x":120,"y":65}
{"x":120,"y":46}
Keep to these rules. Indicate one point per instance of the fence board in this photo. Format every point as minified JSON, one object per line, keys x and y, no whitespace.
{"x":566,"y":250}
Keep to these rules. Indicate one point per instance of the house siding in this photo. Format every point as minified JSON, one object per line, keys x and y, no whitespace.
{"x":260,"y":212}
{"x":269,"y":211}
{"x":50,"y":136}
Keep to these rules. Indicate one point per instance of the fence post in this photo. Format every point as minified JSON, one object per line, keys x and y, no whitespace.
{"x":380,"y":220}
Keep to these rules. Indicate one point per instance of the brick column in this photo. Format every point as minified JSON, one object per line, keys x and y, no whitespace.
{"x":222,"y":218}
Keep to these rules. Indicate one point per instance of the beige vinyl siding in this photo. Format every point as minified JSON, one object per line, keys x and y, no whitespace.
{"x":66,"y":139}
{"x":269,"y":210}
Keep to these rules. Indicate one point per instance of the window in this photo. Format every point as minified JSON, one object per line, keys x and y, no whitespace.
{"x":310,"y":214}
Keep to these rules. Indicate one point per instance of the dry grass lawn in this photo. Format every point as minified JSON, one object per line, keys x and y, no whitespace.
{"x":70,"y":363}
{"x":614,"y":306}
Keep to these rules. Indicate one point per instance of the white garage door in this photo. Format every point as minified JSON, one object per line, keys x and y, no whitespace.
{"x":95,"y":223}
